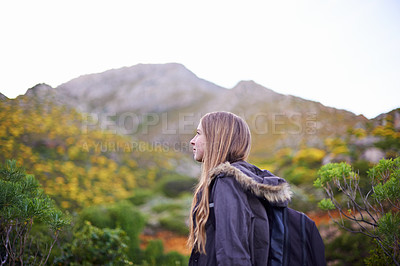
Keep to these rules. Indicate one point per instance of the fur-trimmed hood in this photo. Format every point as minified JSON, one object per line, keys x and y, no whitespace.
{"x":261,"y":183}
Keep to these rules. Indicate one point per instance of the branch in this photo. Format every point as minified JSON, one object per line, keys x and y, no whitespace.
{"x":388,"y":253}
{"x":394,"y":205}
{"x":4,"y":243}
{"x":51,"y":247}
{"x":368,"y":206}
{"x":352,"y":196}
{"x":8,"y":243}
{"x":354,"y":219}
{"x":341,"y":225}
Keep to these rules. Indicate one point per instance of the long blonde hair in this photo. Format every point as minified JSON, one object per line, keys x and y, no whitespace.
{"x":228,"y":139}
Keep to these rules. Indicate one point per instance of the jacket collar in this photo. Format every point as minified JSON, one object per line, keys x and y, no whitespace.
{"x":261,"y":183}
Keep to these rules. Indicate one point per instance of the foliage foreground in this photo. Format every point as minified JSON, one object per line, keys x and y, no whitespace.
{"x":22,"y":202}
{"x":373,"y":212}
{"x":31,"y":229}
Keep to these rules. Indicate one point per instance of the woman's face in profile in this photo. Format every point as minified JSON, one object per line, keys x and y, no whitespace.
{"x":198,"y":142}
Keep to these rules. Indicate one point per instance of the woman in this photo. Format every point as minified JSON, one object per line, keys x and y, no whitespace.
{"x":229,"y":222}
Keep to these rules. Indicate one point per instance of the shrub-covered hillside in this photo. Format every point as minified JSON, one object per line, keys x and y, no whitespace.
{"x":77,"y":167}
{"x":109,"y":181}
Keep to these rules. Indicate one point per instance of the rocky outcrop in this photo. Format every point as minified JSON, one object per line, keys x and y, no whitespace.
{"x":3,"y":97}
{"x":40,"y":90}
{"x":373,"y":155}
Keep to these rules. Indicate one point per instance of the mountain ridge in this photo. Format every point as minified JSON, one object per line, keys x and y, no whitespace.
{"x":79,"y":83}
{"x":139,"y":82}
{"x":164,"y":102}
{"x":3,"y":97}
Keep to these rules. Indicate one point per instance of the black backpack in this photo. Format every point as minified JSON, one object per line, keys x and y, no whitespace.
{"x":293,"y":235}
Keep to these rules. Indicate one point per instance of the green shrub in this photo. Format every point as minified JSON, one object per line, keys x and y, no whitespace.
{"x":174,"y":186}
{"x":174,"y":259}
{"x":154,"y":256}
{"x":94,"y":246}
{"x":154,"y":252}
{"x":170,"y":214}
{"x":299,"y":174}
{"x":122,"y":215}
{"x":141,"y":196}
{"x":347,"y":249}
{"x":23,"y":203}
{"x":174,"y":222}
{"x":374,"y":213}
{"x":166,"y":207}
{"x":377,"y":257}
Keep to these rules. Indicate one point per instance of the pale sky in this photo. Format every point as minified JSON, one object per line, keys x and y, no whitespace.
{"x":344,"y":54}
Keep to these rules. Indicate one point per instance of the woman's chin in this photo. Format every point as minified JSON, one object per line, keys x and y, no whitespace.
{"x":197,"y":159}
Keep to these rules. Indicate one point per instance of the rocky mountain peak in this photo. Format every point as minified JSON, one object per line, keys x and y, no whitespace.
{"x":144,"y":87}
{"x":3,"y":97}
{"x":249,"y":88}
{"x":250,"y":84}
{"x":40,"y":90}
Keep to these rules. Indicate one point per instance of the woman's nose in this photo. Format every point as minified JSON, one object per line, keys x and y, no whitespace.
{"x":192,"y":141}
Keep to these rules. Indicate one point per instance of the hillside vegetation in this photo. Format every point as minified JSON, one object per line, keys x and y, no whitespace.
{"x":76,"y":166}
{"x":138,"y":183}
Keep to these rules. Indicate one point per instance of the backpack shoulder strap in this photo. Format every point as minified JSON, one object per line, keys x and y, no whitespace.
{"x":211,"y":217}
{"x":279,"y":234}
{"x":286,"y":237}
{"x":303,"y":238}
{"x":212,"y":191}
{"x":297,"y":226}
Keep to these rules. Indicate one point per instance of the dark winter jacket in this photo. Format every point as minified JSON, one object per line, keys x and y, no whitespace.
{"x":237,"y":230}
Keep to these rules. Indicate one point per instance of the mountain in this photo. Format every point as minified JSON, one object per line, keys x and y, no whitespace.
{"x":162,"y":103}
{"x":395,"y":117}
{"x":144,"y":88}
{"x":3,"y":97}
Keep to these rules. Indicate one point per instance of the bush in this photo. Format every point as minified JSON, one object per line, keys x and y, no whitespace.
{"x":23,"y":202}
{"x":154,"y":252}
{"x":94,"y":246}
{"x":174,"y":186}
{"x":141,"y":196}
{"x":374,"y":213}
{"x":175,"y":259}
{"x":347,"y":249}
{"x":154,"y":255}
{"x":167,"y":207}
{"x":175,"y":223}
{"x":122,"y":215}
{"x":169,"y":214}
